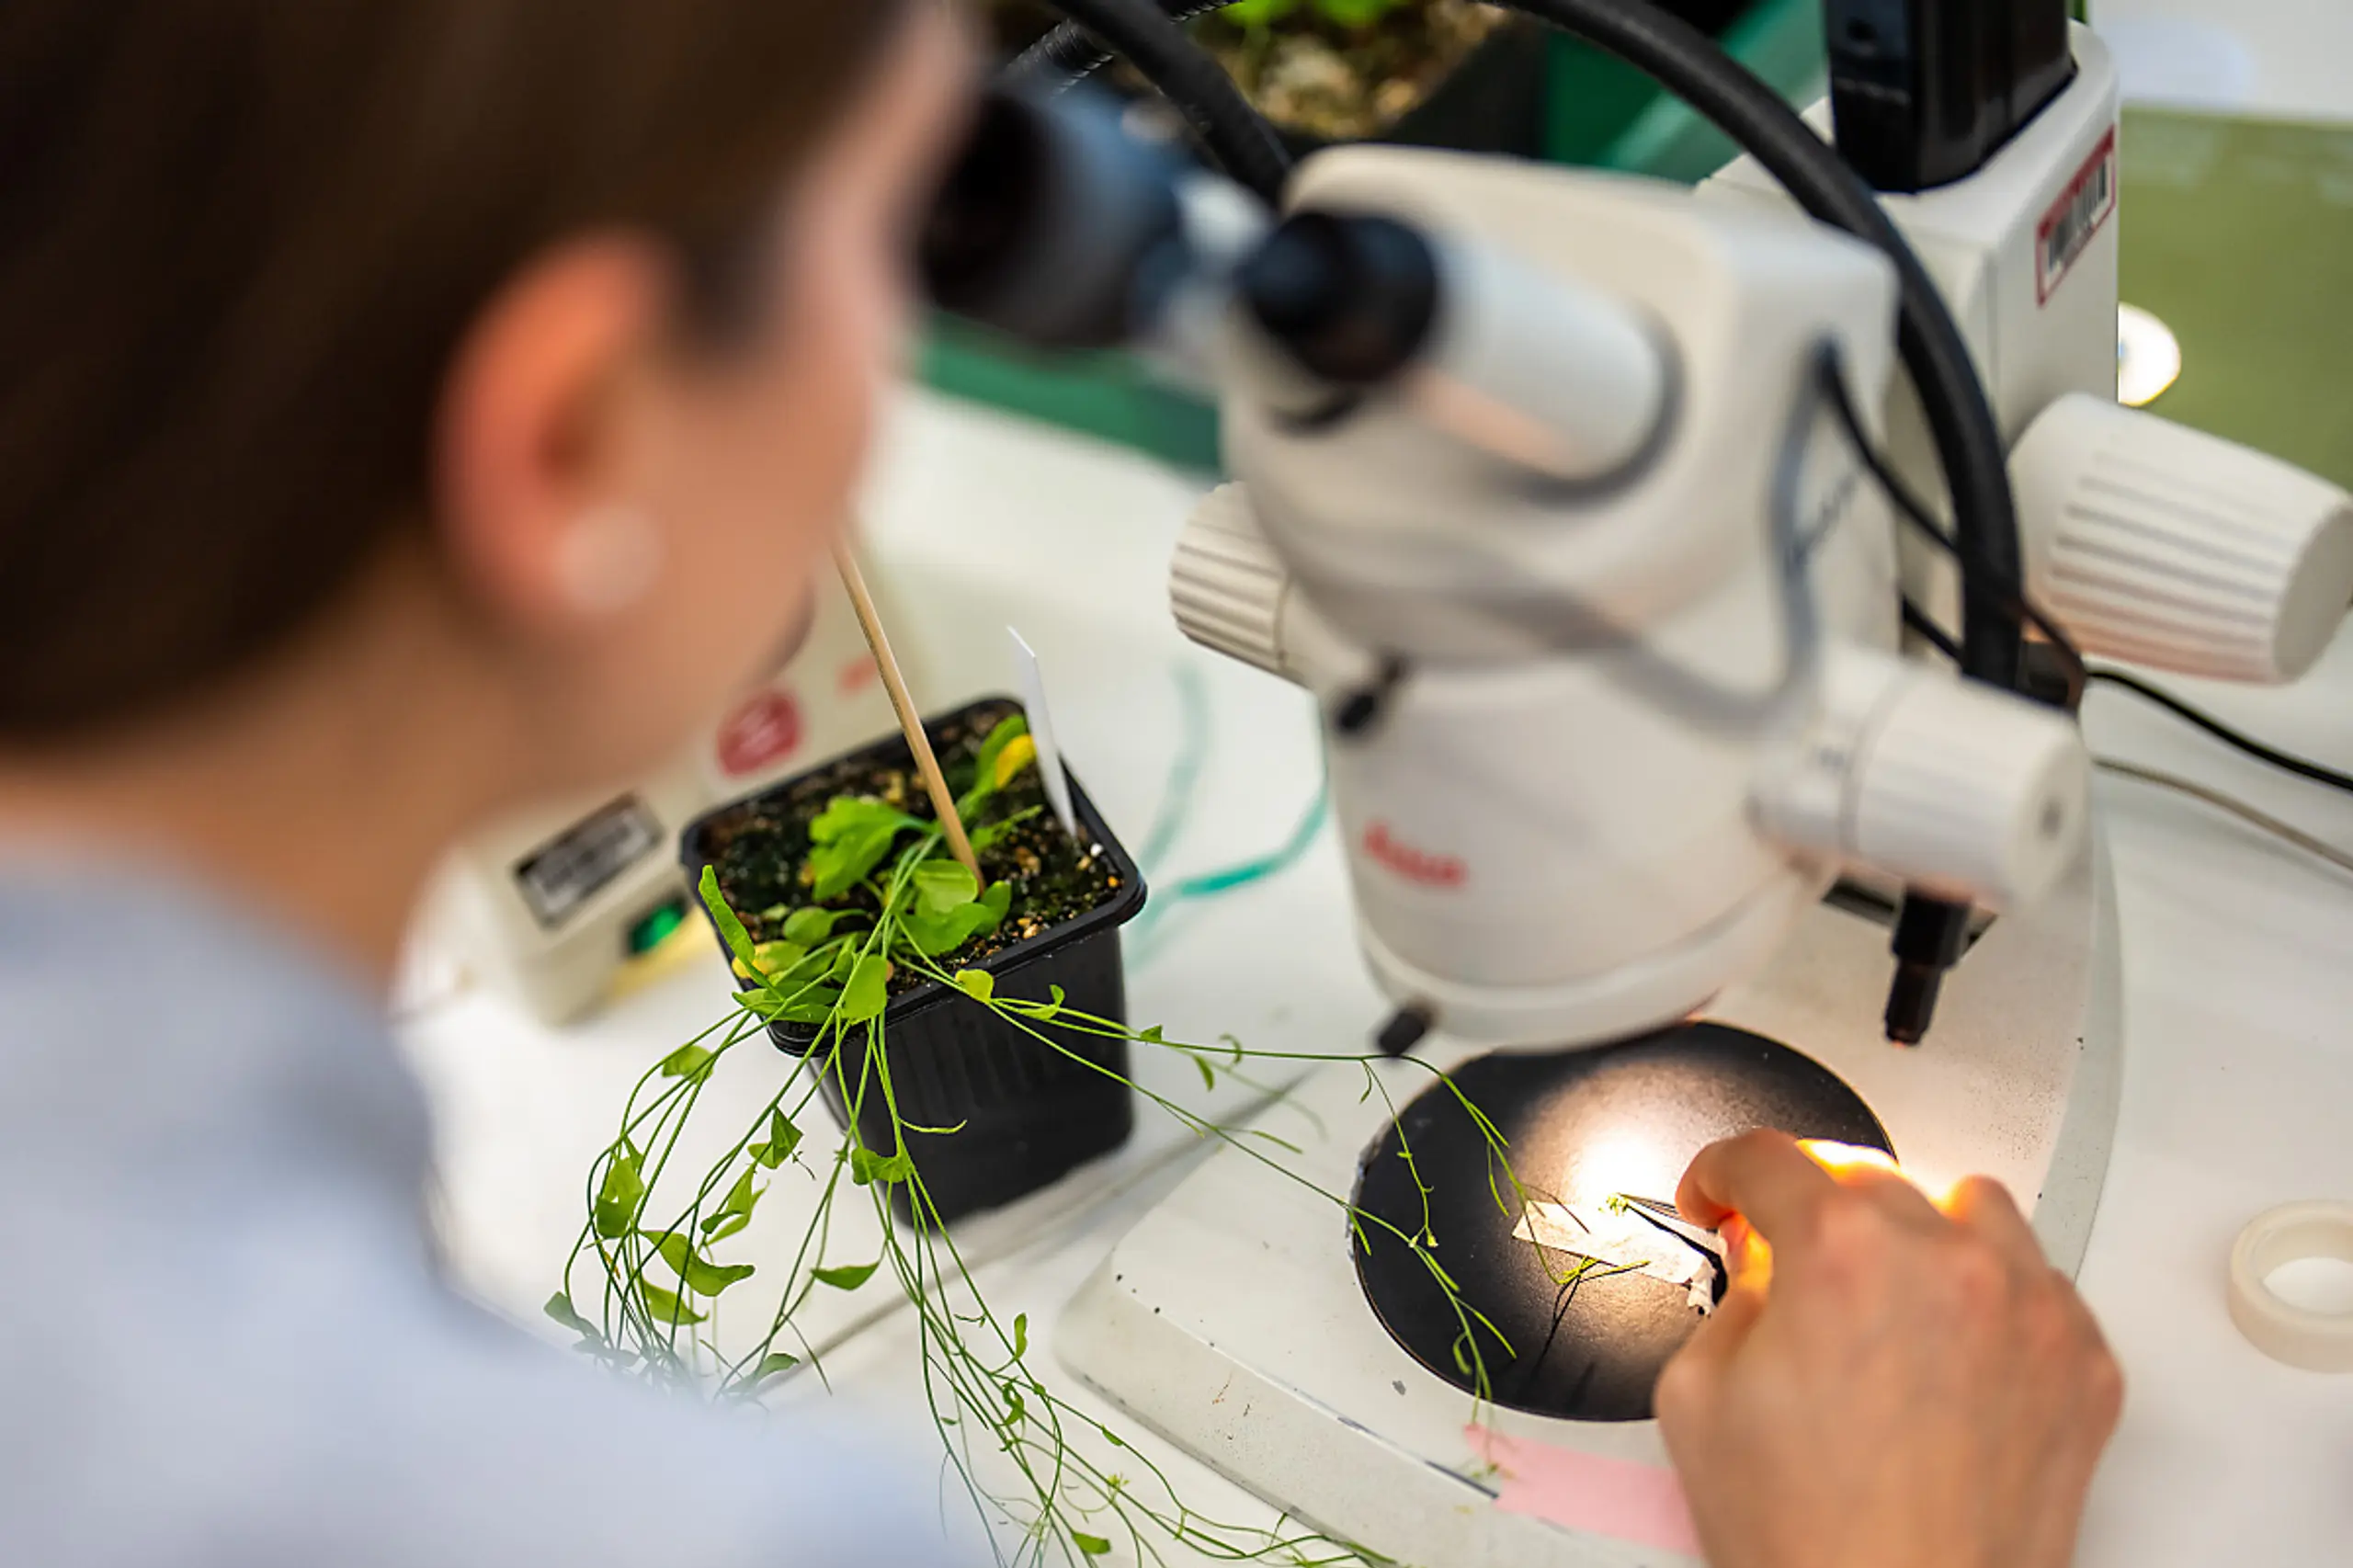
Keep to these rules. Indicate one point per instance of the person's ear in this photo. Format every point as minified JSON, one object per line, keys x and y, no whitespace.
{"x":536,"y":459}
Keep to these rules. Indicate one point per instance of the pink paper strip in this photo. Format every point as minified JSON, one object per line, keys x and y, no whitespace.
{"x":1618,"y":1498}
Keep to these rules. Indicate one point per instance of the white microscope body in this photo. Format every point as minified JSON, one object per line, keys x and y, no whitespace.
{"x":1643,"y":702}
{"x":1603,"y":615}
{"x":1632,"y":599}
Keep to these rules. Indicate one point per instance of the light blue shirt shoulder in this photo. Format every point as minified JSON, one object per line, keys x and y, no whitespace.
{"x":223,"y":1341}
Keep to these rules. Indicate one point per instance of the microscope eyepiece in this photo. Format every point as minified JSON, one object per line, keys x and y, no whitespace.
{"x":1352,"y":298}
{"x":1056,"y":225}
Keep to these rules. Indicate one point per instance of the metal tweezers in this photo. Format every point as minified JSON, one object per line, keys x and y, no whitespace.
{"x":1669,"y":1218}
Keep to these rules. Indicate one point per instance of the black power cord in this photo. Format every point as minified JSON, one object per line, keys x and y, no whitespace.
{"x":1920,"y":622}
{"x":2271,"y":756}
{"x":1236,"y":135}
{"x":1988,"y":579}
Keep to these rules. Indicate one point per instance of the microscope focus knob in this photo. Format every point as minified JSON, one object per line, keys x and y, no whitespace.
{"x":1227,"y":585}
{"x":2168,"y":547}
{"x":1231,"y":590}
{"x":1952,"y":786}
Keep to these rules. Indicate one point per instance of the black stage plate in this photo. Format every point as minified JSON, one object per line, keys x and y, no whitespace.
{"x":1581,"y":1125}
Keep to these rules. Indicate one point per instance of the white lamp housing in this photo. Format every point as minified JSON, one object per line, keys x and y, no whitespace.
{"x":2172,"y":548}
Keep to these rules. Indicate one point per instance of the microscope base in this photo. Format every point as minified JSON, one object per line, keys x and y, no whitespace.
{"x":1232,"y":1320}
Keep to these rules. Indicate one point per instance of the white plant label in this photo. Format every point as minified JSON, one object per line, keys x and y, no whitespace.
{"x":1041,"y":731}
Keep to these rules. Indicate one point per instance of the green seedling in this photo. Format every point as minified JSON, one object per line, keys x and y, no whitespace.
{"x":887,"y":909}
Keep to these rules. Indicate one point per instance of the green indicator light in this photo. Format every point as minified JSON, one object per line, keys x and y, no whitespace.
{"x":657,"y":927}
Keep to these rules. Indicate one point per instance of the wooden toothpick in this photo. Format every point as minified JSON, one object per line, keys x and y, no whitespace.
{"x":910,"y":721}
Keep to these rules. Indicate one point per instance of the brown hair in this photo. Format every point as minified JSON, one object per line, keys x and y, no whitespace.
{"x":240,"y":241}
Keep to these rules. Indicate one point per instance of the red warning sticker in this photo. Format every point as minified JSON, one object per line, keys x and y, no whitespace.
{"x":759,"y":735}
{"x":2076,"y":219}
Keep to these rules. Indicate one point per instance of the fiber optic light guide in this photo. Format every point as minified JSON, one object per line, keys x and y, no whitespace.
{"x":1587,"y":1298}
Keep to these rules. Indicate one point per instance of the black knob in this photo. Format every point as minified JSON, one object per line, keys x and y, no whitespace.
{"x":1352,"y":298}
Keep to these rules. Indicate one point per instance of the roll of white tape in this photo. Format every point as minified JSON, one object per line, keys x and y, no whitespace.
{"x":2295,"y":1233}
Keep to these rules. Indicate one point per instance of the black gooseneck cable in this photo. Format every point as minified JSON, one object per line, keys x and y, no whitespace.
{"x":1931,"y":934}
{"x":1139,"y":31}
{"x":1070,"y":53}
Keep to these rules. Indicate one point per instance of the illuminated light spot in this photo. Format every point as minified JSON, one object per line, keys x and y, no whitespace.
{"x":2148,"y":356}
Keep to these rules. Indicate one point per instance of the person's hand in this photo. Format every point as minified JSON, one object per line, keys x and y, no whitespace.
{"x":1902,"y":1388}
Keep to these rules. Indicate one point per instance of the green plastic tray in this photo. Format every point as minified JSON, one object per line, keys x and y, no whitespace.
{"x":2238,"y":235}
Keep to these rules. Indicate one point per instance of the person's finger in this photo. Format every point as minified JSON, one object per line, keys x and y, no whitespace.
{"x":1986,"y":1207}
{"x":1702,"y":1362}
{"x":1763,"y":1177}
{"x":1874,"y":1171}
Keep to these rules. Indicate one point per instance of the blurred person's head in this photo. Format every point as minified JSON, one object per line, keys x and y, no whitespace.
{"x":460,"y":389}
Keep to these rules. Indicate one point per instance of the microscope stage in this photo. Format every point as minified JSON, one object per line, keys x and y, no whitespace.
{"x":1242,"y":1320}
{"x":1587,"y":1129}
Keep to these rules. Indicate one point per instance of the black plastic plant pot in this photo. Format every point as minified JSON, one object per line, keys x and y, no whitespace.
{"x":1025,"y":1112}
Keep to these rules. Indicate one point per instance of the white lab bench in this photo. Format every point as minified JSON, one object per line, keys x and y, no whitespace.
{"x":2238,"y":958}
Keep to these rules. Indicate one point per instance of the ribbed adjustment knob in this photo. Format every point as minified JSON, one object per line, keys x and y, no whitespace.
{"x":2169,"y":547}
{"x":1948,"y":785}
{"x":1227,"y":585}
{"x":1971,"y":792}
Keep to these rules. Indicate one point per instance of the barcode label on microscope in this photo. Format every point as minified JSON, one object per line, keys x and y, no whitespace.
{"x":2076,"y":219}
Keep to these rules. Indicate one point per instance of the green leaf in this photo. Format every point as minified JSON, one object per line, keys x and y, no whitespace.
{"x":933,"y":934}
{"x":621,"y":1194}
{"x":813,"y":1008}
{"x":846,"y":1278}
{"x":775,"y":1364}
{"x":1093,"y":1545}
{"x":1008,"y":730}
{"x":618,"y":1359}
{"x":850,"y":837}
{"x":1356,"y":12}
{"x":767,"y":1004}
{"x":867,"y":1167}
{"x":942,"y":885}
{"x":735,"y":1210}
{"x":811,"y":926}
{"x":783,"y":1138}
{"x":665,"y":1306}
{"x":691,"y":1062}
{"x":559,"y":1307}
{"x":1209,"y":1074}
{"x":1258,"y":12}
{"x":977,"y":983}
{"x":1152,"y":1035}
{"x":846,"y":815}
{"x":809,"y":1004}
{"x":844,"y":960}
{"x":995,"y":833}
{"x":699,"y":1275}
{"x":730,"y":930}
{"x":773,"y":960}
{"x":998,"y":899}
{"x":1020,"y":1336}
{"x":868,"y":991}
